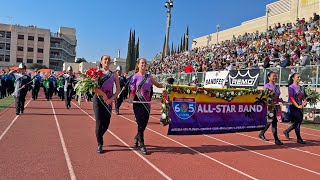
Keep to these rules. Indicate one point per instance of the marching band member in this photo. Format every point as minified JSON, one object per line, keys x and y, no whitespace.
{"x":36,"y":85}
{"x":68,"y":86}
{"x":21,"y":88}
{"x":272,"y":76}
{"x":102,"y":105}
{"x":123,"y":82}
{"x":297,"y":97}
{"x":140,"y":85}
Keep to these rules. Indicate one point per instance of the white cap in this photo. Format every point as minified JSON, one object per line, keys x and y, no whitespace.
{"x":69,"y":68}
{"x":22,"y":66}
{"x":194,"y":78}
{"x":118,"y":68}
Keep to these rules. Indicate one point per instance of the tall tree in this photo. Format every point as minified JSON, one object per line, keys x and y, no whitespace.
{"x":133,"y":43}
{"x":181,"y":46}
{"x":129,"y":54}
{"x":187,"y":39}
{"x":178,"y":50}
{"x":136,"y":48}
{"x":172,"y":49}
{"x":184,"y":42}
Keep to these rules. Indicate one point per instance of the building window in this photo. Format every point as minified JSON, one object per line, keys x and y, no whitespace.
{"x":8,"y":47}
{"x":40,"y":50}
{"x":29,"y":60}
{"x":31,"y":38}
{"x":20,"y":36}
{"x":2,"y":45}
{"x":19,"y":60}
{"x":41,"y":39}
{"x":2,"y":34}
{"x":8,"y":35}
{"x":39,"y":61}
{"x":1,"y":58}
{"x":30,"y":49}
{"x":20,"y":48}
{"x":7,"y":58}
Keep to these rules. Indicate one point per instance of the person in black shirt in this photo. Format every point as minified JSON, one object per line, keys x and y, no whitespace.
{"x":123,"y":83}
{"x":23,"y":82}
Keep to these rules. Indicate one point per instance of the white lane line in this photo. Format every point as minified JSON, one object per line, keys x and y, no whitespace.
{"x":202,"y":154}
{"x":65,"y":151}
{"x":275,"y":159}
{"x":308,"y":152}
{"x":4,"y":133}
{"x":142,"y":157}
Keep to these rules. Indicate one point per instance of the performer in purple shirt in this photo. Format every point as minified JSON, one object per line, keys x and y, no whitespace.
{"x":140,"y":86}
{"x":102,"y":105}
{"x":272,"y":76}
{"x":297,"y":97}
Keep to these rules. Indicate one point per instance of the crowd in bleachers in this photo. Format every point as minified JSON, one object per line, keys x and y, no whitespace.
{"x":290,"y":44}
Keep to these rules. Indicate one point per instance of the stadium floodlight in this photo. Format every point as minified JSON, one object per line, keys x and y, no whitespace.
{"x":218,"y":26}
{"x":168,"y":5}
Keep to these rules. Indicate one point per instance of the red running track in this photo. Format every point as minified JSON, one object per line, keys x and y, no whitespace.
{"x":49,"y":141}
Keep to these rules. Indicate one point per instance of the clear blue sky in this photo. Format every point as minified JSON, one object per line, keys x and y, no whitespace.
{"x":103,"y":25}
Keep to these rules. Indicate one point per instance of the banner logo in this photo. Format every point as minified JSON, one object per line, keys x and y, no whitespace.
{"x":184,"y":108}
{"x":240,"y":79}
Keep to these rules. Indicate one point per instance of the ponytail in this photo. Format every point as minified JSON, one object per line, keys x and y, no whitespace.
{"x":269,"y":74}
{"x":291,"y":79}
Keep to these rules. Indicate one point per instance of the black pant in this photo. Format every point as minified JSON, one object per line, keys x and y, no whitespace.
{"x":142,"y":116}
{"x":102,"y":116}
{"x":67,"y":97}
{"x":274,"y":124}
{"x":35,"y":90}
{"x":296,"y":116}
{"x":61,"y":93}
{"x":118,"y":102}
{"x":19,"y":101}
{"x":49,"y":92}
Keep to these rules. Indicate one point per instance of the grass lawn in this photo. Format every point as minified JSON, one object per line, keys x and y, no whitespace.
{"x":5,"y":102}
{"x":311,"y":125}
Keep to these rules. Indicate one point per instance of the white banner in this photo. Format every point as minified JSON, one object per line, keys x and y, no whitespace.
{"x":216,"y":79}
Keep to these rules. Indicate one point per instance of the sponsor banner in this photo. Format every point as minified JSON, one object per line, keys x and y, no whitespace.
{"x":201,"y":114}
{"x":243,"y":78}
{"x":216,"y":79}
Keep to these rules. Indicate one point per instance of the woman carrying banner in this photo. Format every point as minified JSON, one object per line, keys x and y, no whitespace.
{"x":297,"y":97}
{"x":102,"y":105}
{"x":140,"y":86}
{"x":272,"y":76}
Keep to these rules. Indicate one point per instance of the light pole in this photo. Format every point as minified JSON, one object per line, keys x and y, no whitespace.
{"x":218,"y":26}
{"x":267,"y":12}
{"x":169,"y":6}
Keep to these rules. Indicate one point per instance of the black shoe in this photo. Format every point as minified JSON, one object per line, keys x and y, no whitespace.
{"x":261,"y":136}
{"x":278,"y":142}
{"x":17,"y":113}
{"x":136,"y":142}
{"x":286,"y":134}
{"x":99,"y":150}
{"x":144,"y":150}
{"x":117,"y":112}
{"x":300,"y":141}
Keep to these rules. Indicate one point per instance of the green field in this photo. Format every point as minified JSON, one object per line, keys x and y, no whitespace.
{"x":311,"y":125}
{"x":5,"y":102}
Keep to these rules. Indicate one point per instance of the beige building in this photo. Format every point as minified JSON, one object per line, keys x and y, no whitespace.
{"x":75,"y":66}
{"x":282,"y":11}
{"x":83,"y":66}
{"x":32,"y":45}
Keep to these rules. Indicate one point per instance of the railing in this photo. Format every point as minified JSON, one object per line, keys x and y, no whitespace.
{"x":310,"y":75}
{"x":58,"y":35}
{"x":69,"y":51}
